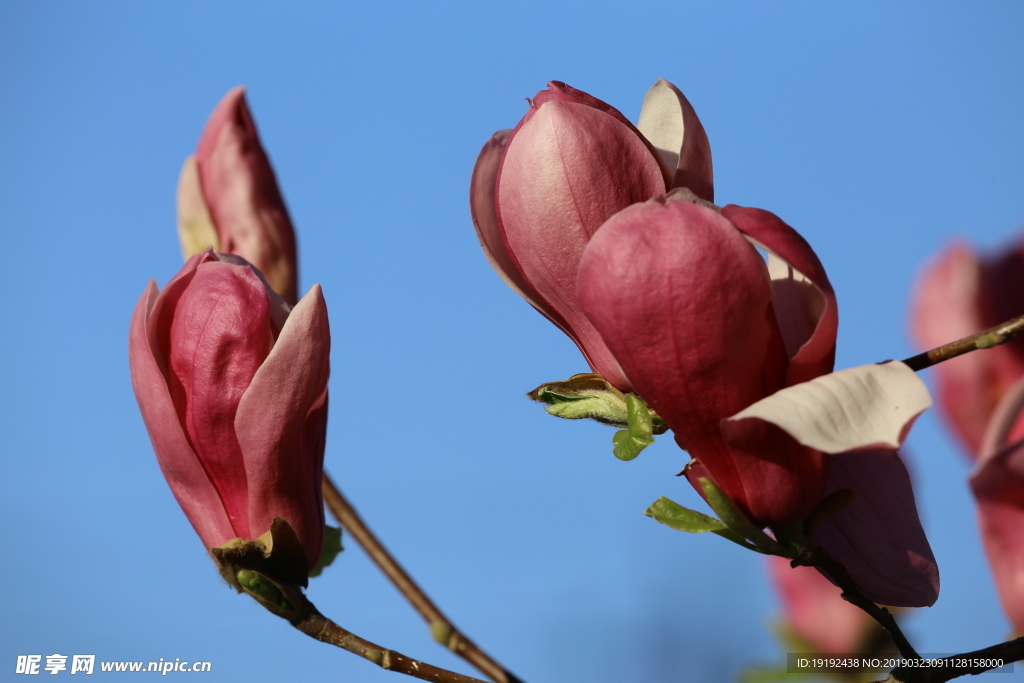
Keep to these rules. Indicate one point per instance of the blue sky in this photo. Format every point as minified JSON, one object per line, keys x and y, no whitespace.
{"x":879,"y":130}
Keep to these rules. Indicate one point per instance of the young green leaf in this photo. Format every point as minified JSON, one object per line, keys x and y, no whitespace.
{"x":737,"y":521}
{"x":332,"y":546}
{"x":638,"y":435}
{"x":674,"y":515}
{"x":583,"y":396}
{"x":671,"y":513}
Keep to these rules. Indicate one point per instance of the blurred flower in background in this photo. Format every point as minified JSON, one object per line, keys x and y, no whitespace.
{"x":998,"y":486}
{"x":959,"y":294}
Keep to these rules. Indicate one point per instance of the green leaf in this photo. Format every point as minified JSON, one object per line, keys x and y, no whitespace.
{"x":583,"y":396}
{"x":674,"y":515}
{"x":625,"y":446}
{"x":638,"y":435}
{"x":259,"y":586}
{"x":332,"y":546}
{"x":671,"y":513}
{"x":582,"y":408}
{"x":737,"y":521}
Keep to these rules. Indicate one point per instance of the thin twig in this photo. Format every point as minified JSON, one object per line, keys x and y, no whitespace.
{"x":304,"y":616}
{"x":994,"y":336}
{"x":819,"y":558}
{"x":920,"y":671}
{"x":440,"y":627}
{"x":948,"y":668}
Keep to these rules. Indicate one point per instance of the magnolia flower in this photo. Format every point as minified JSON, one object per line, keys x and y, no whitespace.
{"x":703,"y":329}
{"x":540,"y":192}
{"x":228,"y":198}
{"x":736,"y":358}
{"x":669,"y":298}
{"x":998,"y":486}
{"x":232,"y":385}
{"x":960,"y":294}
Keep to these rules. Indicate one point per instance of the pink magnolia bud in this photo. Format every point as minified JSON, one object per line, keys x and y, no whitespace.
{"x":736,"y":357}
{"x":703,"y":329}
{"x":228,"y":198}
{"x":998,"y":486}
{"x":814,"y":611}
{"x":957,"y":295}
{"x":232,"y":385}
{"x":539,"y":193}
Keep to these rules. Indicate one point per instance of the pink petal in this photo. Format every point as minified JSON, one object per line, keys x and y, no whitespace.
{"x":563,"y":92}
{"x":241,"y":191}
{"x":485,"y":220}
{"x":1006,"y":425}
{"x":161,"y":316}
{"x":946,"y":299}
{"x":878,"y":537}
{"x":567,"y":170}
{"x":279,"y":308}
{"x":948,"y":305}
{"x":669,"y":122}
{"x":281,"y":426}
{"x":804,"y":301}
{"x":998,"y":486}
{"x":783,"y":479}
{"x":867,"y":408}
{"x":219,"y":337}
{"x":683,"y":301}
{"x":814,"y":610}
{"x":178,"y":462}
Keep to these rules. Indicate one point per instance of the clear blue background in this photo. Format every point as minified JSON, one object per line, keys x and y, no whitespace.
{"x":879,"y":130}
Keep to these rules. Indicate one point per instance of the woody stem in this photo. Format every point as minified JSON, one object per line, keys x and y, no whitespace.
{"x":819,"y":558}
{"x":969,"y":663}
{"x":994,"y":336}
{"x":440,"y":627}
{"x":304,"y":616}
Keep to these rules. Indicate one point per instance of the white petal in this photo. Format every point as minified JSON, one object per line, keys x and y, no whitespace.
{"x":870,"y":407}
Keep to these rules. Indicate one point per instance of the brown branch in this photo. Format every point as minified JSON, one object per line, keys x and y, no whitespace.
{"x":440,"y":627}
{"x":289,"y":602}
{"x":937,"y":671}
{"x":836,"y":572}
{"x":948,"y":668}
{"x":994,"y":336}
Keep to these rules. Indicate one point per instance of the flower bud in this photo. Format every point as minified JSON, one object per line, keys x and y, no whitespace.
{"x":539,"y":193}
{"x":228,"y":198}
{"x":703,"y":330}
{"x":232,"y":385}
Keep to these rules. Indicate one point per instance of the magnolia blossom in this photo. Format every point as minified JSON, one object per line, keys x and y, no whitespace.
{"x":736,"y":358}
{"x":615,"y":240}
{"x":998,"y":486}
{"x":228,"y":198}
{"x":540,"y":192}
{"x":957,"y":295}
{"x":703,"y":329}
{"x":232,"y":385}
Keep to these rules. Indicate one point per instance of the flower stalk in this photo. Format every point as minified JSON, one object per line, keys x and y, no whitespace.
{"x":441,"y":628}
{"x":986,"y":339}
